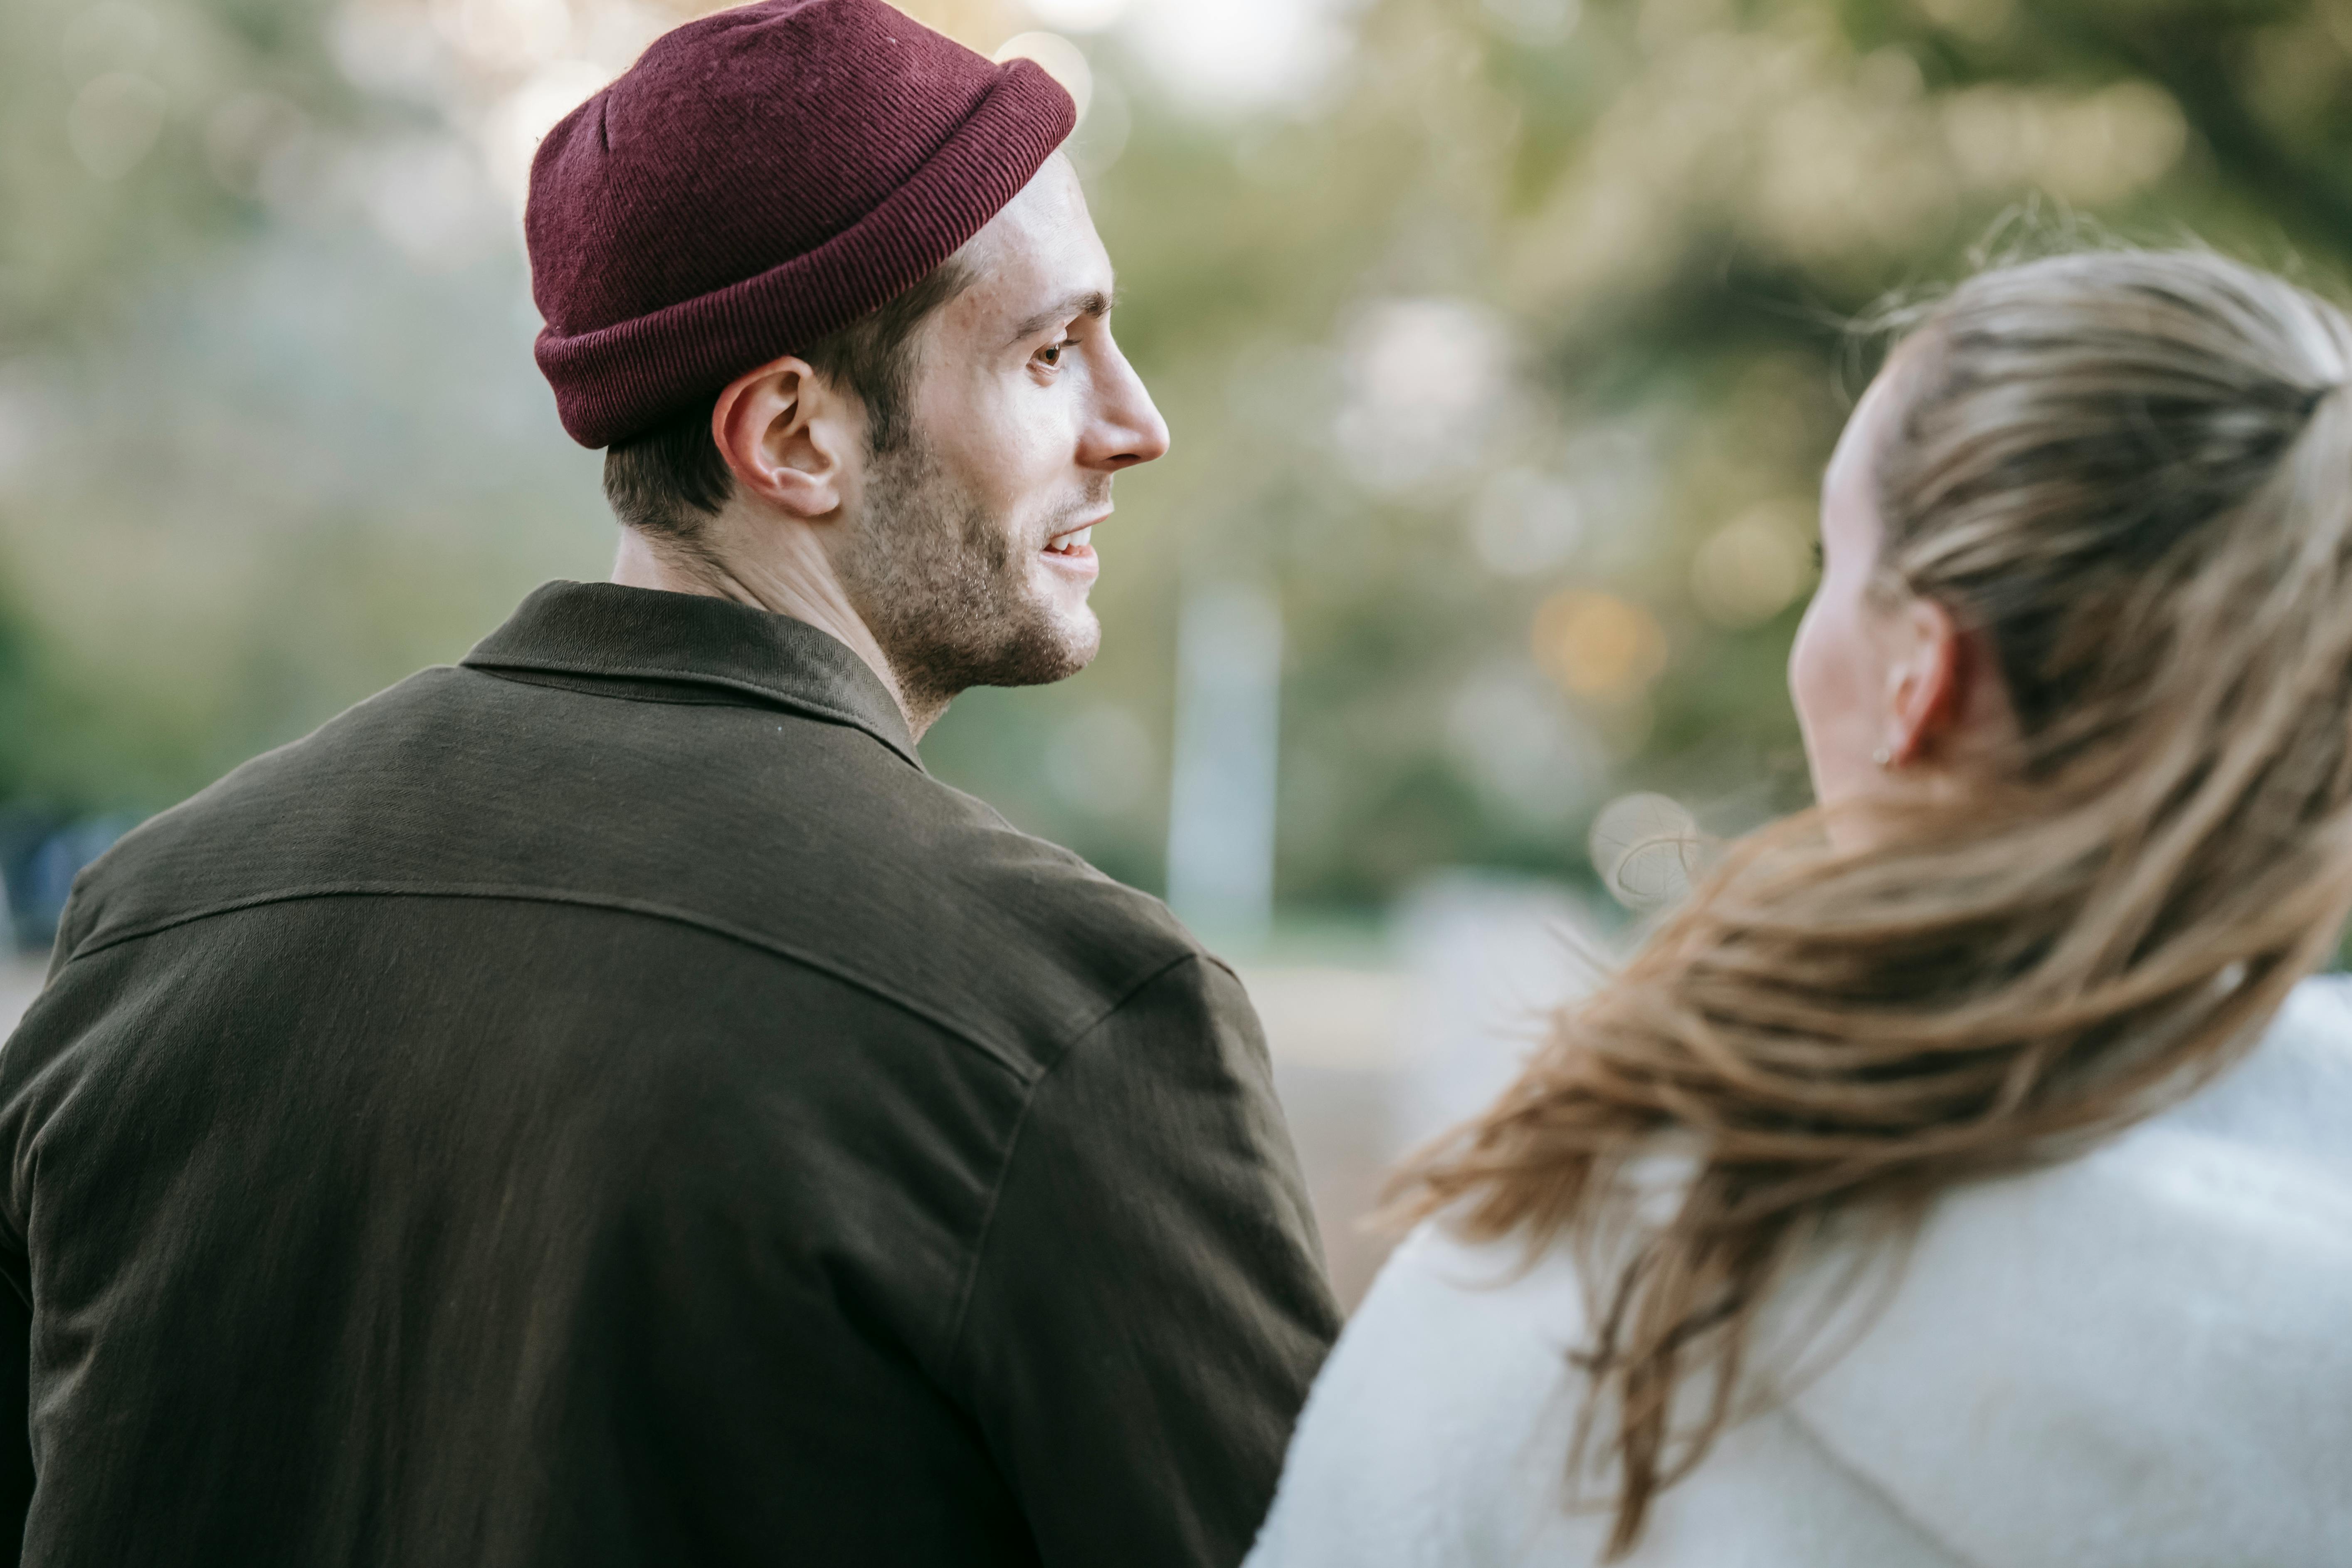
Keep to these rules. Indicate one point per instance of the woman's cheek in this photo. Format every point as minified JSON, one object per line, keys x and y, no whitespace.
{"x":1823,"y":686}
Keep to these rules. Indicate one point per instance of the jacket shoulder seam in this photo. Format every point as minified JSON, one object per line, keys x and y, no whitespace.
{"x":645,"y":908}
{"x":971,"y":1285}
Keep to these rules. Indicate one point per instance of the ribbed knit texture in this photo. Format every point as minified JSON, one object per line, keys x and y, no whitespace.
{"x":758,"y":179}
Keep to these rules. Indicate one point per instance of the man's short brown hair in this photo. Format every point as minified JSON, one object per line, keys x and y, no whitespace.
{"x":671,"y":479}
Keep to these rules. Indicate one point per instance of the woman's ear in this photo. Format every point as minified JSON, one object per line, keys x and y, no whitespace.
{"x":789,"y":438}
{"x":1927,"y":681}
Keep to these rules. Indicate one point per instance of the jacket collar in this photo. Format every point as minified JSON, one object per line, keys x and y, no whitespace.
{"x":605,"y":631}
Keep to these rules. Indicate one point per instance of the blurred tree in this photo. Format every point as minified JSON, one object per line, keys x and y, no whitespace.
{"x":128,"y":131}
{"x":19,"y":700}
{"x":135,"y":141}
{"x":270,"y":432}
{"x":1505,"y":343}
{"x":1515,"y":357}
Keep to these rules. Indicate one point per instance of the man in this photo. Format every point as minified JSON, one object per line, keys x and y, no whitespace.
{"x":605,"y":1104}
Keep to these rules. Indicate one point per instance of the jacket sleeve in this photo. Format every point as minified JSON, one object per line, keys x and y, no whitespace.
{"x":1148,"y":1305}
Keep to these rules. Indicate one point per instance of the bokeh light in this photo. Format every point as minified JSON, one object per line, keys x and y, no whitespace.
{"x":1646,"y":848}
{"x":1599,"y":645}
{"x":1754,"y":566}
{"x":1077,"y":15}
{"x":114,"y":122}
{"x":1063,"y":60}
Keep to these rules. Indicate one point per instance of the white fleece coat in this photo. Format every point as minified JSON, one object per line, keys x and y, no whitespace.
{"x":2141,"y":1357}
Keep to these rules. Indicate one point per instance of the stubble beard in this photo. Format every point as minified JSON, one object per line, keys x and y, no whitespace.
{"x":944,"y":585}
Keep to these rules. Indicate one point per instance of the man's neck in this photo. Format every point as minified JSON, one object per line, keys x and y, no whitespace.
{"x":798,"y":582}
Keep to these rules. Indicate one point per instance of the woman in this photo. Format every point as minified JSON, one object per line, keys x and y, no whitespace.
{"x":1962,"y":1176}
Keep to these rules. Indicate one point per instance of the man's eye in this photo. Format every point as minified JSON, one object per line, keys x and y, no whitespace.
{"x":1051,"y":355}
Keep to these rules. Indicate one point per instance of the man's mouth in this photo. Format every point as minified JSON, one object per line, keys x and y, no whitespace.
{"x":1078,"y":543}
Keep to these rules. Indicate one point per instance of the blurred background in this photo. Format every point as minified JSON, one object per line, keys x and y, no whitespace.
{"x":1503,"y":341}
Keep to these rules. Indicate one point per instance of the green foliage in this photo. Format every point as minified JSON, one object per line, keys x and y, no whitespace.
{"x":1499,"y":327}
{"x":19,"y":689}
{"x":130,"y":132}
{"x":1671,"y":217}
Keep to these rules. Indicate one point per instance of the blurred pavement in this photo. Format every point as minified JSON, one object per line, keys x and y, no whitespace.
{"x":1370,"y":1063}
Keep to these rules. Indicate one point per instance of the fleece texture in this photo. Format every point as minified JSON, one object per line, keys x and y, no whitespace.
{"x":2139,"y":1357}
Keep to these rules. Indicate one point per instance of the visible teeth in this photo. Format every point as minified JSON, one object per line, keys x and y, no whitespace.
{"x":1070,"y":541}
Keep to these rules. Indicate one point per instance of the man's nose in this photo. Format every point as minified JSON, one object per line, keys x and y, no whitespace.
{"x":1127,"y":428}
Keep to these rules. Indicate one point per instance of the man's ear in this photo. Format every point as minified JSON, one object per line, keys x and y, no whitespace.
{"x":789,"y":437}
{"x":1927,"y":681}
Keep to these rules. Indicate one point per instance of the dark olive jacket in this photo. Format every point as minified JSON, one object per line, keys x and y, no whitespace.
{"x":606,"y":1104}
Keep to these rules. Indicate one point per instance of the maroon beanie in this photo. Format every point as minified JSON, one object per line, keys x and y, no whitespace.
{"x":758,"y":179}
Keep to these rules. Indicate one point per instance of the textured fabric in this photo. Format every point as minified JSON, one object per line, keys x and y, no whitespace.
{"x":2137,"y":1359}
{"x":757,"y":180}
{"x":606,"y":1105}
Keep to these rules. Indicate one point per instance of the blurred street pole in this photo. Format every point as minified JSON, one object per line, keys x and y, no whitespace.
{"x":1222,"y":793}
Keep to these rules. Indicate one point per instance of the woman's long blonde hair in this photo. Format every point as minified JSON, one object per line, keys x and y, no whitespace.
{"x":2130,"y":473}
